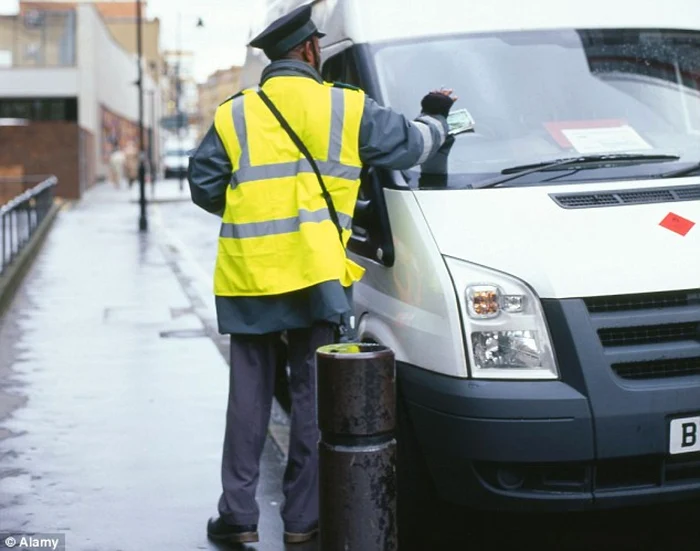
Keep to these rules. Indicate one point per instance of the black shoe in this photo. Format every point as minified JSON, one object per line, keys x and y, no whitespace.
{"x":220,"y":531}
{"x":301,"y":537}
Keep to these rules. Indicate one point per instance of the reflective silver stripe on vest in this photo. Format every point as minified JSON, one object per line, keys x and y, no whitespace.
{"x":287,"y":170}
{"x":285,"y":225}
{"x":337,"y":124}
{"x":239,"y":126}
{"x":331,"y":168}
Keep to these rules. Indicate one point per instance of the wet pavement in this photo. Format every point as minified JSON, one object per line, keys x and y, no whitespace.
{"x":113,"y":393}
{"x":113,"y":386}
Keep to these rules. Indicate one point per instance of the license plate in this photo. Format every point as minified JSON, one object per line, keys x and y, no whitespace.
{"x":685,"y":435}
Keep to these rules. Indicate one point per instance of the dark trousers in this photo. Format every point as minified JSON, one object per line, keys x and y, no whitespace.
{"x":253,"y":364}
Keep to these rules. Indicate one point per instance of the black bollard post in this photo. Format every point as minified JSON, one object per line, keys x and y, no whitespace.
{"x":357,"y":451}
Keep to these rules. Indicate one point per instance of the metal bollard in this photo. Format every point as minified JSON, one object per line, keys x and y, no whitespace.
{"x":357,"y":451}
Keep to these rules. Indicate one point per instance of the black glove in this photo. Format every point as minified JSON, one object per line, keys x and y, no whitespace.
{"x":437,"y":104}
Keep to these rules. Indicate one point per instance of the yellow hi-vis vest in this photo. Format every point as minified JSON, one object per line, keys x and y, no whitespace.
{"x":277,"y":235}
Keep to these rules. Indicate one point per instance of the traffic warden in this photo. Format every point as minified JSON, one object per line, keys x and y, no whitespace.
{"x":285,"y":185}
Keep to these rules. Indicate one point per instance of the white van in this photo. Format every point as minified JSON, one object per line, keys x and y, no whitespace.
{"x":541,"y":286}
{"x":176,"y":157}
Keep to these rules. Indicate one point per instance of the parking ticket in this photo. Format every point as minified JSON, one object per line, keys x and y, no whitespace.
{"x":460,"y":121}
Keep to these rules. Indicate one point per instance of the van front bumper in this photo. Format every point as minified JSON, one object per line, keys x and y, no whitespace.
{"x":526,"y":446}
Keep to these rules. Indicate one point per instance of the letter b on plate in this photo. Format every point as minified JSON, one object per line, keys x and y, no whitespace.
{"x":690,"y":435}
{"x":685,"y":435}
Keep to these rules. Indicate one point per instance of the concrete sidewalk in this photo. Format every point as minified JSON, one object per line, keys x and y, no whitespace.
{"x":113,"y":392}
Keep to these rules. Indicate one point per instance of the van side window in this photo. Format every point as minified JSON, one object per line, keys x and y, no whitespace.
{"x":341,"y":68}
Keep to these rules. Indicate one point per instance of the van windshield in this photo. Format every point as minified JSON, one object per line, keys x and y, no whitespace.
{"x":539,"y":96}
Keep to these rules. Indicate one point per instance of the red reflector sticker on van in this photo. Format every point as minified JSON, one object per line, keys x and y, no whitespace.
{"x":677,"y":224}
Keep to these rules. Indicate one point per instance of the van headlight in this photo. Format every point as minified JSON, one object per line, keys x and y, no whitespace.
{"x":506,"y":333}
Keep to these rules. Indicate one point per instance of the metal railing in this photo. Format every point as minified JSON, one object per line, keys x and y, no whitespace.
{"x":21,"y":216}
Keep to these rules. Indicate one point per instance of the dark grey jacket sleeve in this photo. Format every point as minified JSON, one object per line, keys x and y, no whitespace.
{"x":390,"y":140}
{"x":209,"y":173}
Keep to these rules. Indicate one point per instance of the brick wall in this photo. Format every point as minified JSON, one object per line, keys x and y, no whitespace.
{"x":110,"y":8}
{"x":10,"y":182}
{"x":43,"y":148}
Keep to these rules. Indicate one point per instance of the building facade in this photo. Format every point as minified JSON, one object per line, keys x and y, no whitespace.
{"x":106,"y":8}
{"x":120,"y":18}
{"x":219,"y":86}
{"x":64,"y":73}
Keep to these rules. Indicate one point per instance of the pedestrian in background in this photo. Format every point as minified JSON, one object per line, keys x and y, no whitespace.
{"x":117,"y":161}
{"x":131,"y":155}
{"x":282,"y":263}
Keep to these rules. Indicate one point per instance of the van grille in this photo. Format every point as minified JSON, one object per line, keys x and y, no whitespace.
{"x":585,"y":201}
{"x":643,"y":302}
{"x":627,"y":197}
{"x":688,"y":193}
{"x":661,"y":369}
{"x":649,"y":336}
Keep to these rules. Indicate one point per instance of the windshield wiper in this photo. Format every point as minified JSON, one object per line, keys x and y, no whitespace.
{"x":517,"y":172}
{"x":683,"y":172}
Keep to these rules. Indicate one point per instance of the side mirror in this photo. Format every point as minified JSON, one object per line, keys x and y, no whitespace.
{"x":363,"y":214}
{"x":371,"y":236}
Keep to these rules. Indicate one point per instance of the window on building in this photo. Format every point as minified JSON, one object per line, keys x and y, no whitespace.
{"x":39,"y":109}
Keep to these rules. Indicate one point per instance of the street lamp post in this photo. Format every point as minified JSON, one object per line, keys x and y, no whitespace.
{"x":143,"y":220}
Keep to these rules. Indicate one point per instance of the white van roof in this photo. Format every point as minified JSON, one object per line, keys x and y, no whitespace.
{"x":380,"y":20}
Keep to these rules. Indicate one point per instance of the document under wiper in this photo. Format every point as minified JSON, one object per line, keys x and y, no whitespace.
{"x":584,"y":161}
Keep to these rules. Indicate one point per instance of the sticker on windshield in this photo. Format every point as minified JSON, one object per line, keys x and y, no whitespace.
{"x":460,"y":121}
{"x":614,"y":139}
